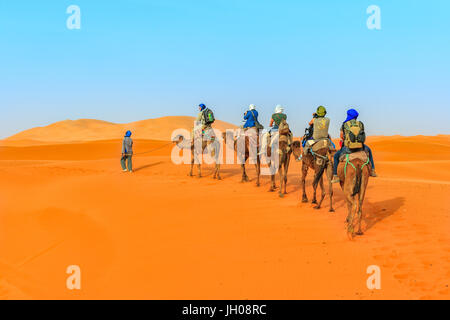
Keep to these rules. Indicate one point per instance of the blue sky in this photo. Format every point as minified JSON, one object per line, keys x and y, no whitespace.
{"x":136,"y":59}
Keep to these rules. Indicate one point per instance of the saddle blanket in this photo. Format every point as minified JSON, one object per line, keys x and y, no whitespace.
{"x":361,"y":155}
{"x":321,"y":144}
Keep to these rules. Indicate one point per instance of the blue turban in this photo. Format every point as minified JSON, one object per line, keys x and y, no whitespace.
{"x":352,"y":114}
{"x":128,"y":133}
{"x":202,"y":106}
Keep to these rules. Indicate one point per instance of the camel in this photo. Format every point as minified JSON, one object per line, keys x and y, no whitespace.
{"x":284,"y":152}
{"x":321,"y":160}
{"x":211,"y":145}
{"x":354,"y":176}
{"x":246,"y":156}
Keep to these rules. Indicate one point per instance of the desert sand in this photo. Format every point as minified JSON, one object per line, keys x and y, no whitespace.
{"x":159,"y":234}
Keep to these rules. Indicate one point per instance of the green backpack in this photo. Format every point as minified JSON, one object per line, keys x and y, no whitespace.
{"x":208,"y":115}
{"x":354,"y":135}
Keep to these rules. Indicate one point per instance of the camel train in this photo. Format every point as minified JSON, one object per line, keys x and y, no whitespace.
{"x":314,"y":151}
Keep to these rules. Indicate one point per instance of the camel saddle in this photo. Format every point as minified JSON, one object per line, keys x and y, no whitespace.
{"x":321,"y":144}
{"x":208,"y":134}
{"x":281,"y":138}
{"x":361,"y":155}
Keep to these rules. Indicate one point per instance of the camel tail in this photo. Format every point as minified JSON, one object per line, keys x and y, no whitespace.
{"x":357,"y":187}
{"x":319,"y":174}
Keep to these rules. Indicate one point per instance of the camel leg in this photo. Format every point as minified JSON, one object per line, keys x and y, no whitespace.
{"x":281,"y":173}
{"x":199,"y":167}
{"x":286,"y":170}
{"x":191,"y":171}
{"x":349,"y":220}
{"x":304,"y":173}
{"x":244,"y":174}
{"x":212,"y":148}
{"x":322,"y":188}
{"x":361,"y":197}
{"x":359,"y":232}
{"x":314,"y":200}
{"x":258,"y":172}
{"x":330,"y":185}
{"x":353,"y":212}
{"x":272,"y":183}
{"x":349,"y":201}
{"x":218,"y":171}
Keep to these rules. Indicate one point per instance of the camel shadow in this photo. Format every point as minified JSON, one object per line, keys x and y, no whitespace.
{"x":148,"y":166}
{"x":230,"y":172}
{"x":378,"y":211}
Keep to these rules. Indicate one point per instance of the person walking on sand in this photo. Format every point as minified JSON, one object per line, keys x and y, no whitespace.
{"x":127,"y":153}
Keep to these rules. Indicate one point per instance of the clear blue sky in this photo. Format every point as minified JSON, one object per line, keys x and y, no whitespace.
{"x":136,"y":59}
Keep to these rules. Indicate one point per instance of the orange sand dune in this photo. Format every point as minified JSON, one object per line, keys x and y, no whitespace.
{"x":159,"y":234}
{"x":94,"y":130}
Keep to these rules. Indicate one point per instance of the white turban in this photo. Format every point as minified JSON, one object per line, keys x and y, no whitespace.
{"x":251,"y":107}
{"x":279,"y":109}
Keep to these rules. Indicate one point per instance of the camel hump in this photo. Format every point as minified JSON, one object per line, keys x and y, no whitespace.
{"x":360,"y":155}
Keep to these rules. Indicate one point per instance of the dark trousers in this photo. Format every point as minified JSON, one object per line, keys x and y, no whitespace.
{"x":345,"y":150}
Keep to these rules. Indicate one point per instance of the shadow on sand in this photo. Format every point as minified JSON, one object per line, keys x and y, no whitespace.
{"x":378,"y":211}
{"x":148,"y":166}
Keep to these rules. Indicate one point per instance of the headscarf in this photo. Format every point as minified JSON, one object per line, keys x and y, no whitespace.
{"x":128,"y":133}
{"x":202,"y":106}
{"x":279,"y":109}
{"x":251,"y":107}
{"x":351,"y":114}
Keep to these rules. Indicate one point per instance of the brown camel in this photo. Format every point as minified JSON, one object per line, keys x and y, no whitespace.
{"x":284,"y":152}
{"x":321,"y":160}
{"x":211,"y":145}
{"x":354,"y":176}
{"x":246,"y":156}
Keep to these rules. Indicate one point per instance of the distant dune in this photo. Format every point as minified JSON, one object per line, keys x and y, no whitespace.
{"x":94,"y":130}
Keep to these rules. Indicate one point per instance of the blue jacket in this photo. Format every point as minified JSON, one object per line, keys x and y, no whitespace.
{"x":250,"y":120}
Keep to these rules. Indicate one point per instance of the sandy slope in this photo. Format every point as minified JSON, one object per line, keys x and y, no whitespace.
{"x":94,"y":130}
{"x":157,"y":233}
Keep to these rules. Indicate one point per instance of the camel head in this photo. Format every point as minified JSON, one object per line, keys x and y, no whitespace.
{"x":296,"y":149}
{"x":180,"y":141}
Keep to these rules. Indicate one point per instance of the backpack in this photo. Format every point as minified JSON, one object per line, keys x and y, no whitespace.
{"x":354,"y":135}
{"x":258,"y":125}
{"x":208,"y":116}
{"x":309,"y":133}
